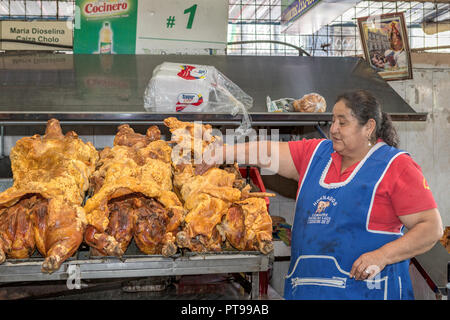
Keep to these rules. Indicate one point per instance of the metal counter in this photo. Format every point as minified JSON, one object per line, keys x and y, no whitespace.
{"x":435,"y":262}
{"x":135,"y":266}
{"x":96,"y":89}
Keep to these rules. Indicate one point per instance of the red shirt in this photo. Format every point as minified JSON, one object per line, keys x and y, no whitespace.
{"x":402,"y":191}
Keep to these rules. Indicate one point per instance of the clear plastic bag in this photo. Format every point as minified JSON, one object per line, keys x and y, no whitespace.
{"x":182,"y":87}
{"x":312,"y":102}
{"x":280,"y":105}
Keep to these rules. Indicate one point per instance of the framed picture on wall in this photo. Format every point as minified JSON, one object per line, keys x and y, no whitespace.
{"x":384,"y":39}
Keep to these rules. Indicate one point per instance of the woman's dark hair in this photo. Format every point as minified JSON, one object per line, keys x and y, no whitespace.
{"x":365,"y":106}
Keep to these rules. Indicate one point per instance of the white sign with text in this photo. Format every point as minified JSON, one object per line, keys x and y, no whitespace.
{"x":181,"y":25}
{"x":28,"y":35}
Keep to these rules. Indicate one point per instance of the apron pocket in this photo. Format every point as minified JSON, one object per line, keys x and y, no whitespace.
{"x":332,"y":282}
{"x":321,"y":277}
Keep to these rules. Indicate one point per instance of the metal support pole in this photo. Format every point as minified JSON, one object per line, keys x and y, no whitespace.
{"x":319,"y":129}
{"x":2,"y":141}
{"x":255,"y":286}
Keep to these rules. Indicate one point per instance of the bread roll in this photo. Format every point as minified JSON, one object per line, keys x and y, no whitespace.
{"x":311,"y":102}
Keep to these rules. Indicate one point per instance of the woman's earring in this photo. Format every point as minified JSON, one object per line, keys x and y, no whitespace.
{"x":370,"y":143}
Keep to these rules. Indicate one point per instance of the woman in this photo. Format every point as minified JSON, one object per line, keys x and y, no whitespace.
{"x":356,"y":191}
{"x":396,"y":55}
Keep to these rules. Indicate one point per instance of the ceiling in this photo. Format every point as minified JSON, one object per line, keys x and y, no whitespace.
{"x":269,"y":11}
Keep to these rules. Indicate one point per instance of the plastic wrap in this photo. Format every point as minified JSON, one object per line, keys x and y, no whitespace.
{"x":181,"y":87}
{"x":311,"y":102}
{"x":280,"y":105}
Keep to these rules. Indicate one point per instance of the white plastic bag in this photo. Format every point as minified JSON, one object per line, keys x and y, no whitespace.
{"x":182,"y":87}
{"x":178,"y":87}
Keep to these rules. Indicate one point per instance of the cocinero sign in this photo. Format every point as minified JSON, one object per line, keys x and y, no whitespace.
{"x":98,"y":8}
{"x":105,"y":27}
{"x":296,"y":9}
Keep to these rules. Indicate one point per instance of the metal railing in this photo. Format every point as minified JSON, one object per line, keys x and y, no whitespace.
{"x":301,"y":51}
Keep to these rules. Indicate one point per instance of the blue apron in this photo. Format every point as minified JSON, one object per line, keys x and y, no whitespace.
{"x":331,"y":231}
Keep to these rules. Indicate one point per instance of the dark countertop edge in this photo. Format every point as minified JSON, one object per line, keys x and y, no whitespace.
{"x":97,"y":118}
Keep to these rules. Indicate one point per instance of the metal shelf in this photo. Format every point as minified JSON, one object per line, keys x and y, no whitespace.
{"x":105,"y":89}
{"x":136,"y":266}
{"x":145,"y":118}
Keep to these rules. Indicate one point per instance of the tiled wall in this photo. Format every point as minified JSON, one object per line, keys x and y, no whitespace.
{"x":282,"y":206}
{"x":429,"y":142}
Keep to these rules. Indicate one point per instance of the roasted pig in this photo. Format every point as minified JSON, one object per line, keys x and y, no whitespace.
{"x":222,"y":212}
{"x":132,"y":196}
{"x":43,"y":207}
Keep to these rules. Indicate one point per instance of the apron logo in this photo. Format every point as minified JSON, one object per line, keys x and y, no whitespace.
{"x":320,"y":216}
{"x":425,"y":184}
{"x":322,"y":206}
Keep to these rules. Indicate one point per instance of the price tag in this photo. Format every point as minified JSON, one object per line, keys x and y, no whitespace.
{"x":181,"y":24}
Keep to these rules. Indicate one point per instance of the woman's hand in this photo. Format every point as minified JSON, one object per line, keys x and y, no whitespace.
{"x":368,"y":265}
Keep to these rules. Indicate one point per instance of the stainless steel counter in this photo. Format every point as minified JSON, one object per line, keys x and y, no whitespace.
{"x":435,"y":263}
{"x":110,"y":88}
{"x":135,"y":266}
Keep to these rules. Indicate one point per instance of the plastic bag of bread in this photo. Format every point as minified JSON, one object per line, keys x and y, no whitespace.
{"x":312,"y":102}
{"x":445,"y":240}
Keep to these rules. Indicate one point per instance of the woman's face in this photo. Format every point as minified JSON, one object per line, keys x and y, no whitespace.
{"x":396,"y":43}
{"x":348,"y":136}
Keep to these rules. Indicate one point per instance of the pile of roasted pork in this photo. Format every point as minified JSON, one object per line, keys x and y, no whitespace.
{"x":43,"y":207}
{"x":136,"y":190}
{"x":220,"y":208}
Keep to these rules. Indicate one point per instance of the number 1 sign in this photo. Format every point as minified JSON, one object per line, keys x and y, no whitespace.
{"x":181,"y":25}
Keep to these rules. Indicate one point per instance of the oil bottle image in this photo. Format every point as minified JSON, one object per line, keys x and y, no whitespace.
{"x":106,"y":39}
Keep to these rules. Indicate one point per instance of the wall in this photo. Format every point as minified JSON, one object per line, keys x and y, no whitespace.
{"x":429,"y":142}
